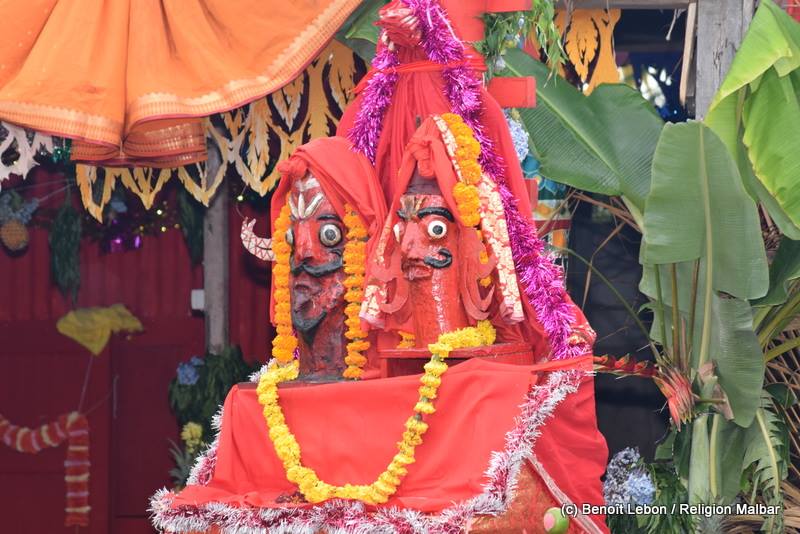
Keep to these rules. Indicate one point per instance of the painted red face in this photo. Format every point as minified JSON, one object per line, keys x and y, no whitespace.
{"x":317,"y":239}
{"x":427,"y":234}
{"x":428,"y":238}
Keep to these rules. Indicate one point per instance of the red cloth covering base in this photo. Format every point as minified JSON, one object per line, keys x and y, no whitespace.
{"x":348,"y":433}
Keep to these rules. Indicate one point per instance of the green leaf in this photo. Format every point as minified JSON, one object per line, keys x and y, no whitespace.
{"x":766,"y":449}
{"x":731,"y":444}
{"x":785,"y":267}
{"x":65,"y":244}
{"x":359,"y":31}
{"x":697,"y":207}
{"x":758,"y":104}
{"x":782,"y":394}
{"x":738,"y":356}
{"x":664,"y":450}
{"x":602,"y":143}
{"x":771,"y":118}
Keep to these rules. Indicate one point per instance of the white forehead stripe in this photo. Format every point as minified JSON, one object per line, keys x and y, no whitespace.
{"x":304,"y":184}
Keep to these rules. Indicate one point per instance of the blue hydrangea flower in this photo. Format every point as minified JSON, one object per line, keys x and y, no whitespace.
{"x":519,"y":135}
{"x":626,"y":481}
{"x":187,"y":374}
{"x":640,"y":487}
{"x":196,"y":361}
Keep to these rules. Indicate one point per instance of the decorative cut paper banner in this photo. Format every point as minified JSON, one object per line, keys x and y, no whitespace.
{"x":267,"y":131}
{"x":589,"y":43}
{"x":25,"y":143}
{"x":73,"y":427}
{"x":145,"y":183}
{"x":96,"y":185}
{"x":195,"y":180}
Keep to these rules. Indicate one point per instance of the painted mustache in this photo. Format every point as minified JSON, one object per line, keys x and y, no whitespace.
{"x":436,"y":263}
{"x":317,"y":271}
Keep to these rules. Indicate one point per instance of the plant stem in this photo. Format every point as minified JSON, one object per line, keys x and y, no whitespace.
{"x":617,"y":294}
{"x":759,"y":316}
{"x":698,"y":466}
{"x":780,"y":349}
{"x":712,"y":457}
{"x":676,"y":350}
{"x":783,"y":315}
{"x":661,"y":312}
{"x":695,"y":276}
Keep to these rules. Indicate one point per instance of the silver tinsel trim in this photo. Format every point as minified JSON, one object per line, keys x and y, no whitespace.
{"x":349,"y":517}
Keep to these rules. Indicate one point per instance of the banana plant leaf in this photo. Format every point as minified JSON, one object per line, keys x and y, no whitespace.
{"x":359,"y":31}
{"x":767,"y":450}
{"x":785,"y":267}
{"x":757,"y":111}
{"x":602,"y":143}
{"x":698,"y":209}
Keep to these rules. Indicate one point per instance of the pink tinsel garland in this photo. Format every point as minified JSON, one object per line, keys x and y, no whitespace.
{"x":541,"y":279}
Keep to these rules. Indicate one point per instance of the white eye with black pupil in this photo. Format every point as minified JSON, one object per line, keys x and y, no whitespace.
{"x":290,"y":237}
{"x":397,"y":228}
{"x":437,"y":229}
{"x":330,"y":235}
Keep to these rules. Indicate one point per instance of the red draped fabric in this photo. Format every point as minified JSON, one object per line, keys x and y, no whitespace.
{"x":348,"y":433}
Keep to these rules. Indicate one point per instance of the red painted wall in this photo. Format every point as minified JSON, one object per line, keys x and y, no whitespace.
{"x":41,"y":371}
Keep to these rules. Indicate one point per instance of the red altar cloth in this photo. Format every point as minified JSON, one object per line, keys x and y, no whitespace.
{"x":348,"y":431}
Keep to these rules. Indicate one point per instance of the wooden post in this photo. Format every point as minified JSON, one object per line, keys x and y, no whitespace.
{"x":215,"y":270}
{"x":721,"y":25}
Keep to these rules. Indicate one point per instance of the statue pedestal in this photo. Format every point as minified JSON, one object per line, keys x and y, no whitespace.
{"x":399,"y":362}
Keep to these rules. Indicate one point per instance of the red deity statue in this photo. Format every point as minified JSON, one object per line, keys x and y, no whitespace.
{"x":318,"y":184}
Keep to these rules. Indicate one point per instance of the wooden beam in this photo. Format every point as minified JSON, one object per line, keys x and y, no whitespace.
{"x":215,"y":270}
{"x":721,"y":25}
{"x":628,"y":4}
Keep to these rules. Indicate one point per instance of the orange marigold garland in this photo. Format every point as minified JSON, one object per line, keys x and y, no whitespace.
{"x":465,"y":160}
{"x":355,"y":259}
{"x":385,"y":485}
{"x":74,"y":428}
{"x":464,"y":150}
{"x":285,"y":342}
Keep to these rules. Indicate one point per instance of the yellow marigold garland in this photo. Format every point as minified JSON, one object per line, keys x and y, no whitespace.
{"x":355,"y":259}
{"x":288,"y":450}
{"x":354,"y":256}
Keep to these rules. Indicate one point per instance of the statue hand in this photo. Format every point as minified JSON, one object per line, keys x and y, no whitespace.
{"x":260,"y":247}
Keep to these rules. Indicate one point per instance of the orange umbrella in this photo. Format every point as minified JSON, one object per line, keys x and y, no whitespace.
{"x":129,"y":80}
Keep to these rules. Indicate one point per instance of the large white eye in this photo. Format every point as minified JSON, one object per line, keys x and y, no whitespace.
{"x":437,"y":229}
{"x":290,"y":236}
{"x":330,"y":235}
{"x":397,"y":229}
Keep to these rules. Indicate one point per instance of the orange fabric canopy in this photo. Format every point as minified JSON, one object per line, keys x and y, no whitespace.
{"x":129,"y":80}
